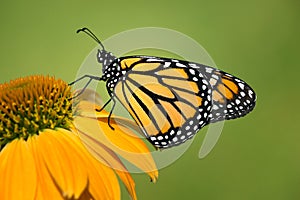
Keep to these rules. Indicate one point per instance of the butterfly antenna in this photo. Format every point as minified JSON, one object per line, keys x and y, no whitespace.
{"x":91,"y":34}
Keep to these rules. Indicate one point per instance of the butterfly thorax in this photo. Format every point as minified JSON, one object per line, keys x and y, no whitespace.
{"x":106,"y":59}
{"x":115,"y":68}
{"x":113,"y":74}
{"x":111,"y":71}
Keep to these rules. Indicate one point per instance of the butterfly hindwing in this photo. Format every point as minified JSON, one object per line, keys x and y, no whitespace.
{"x":232,"y":97}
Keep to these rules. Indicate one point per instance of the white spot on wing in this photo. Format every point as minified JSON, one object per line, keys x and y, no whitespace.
{"x":154,"y":60}
{"x":215,"y":76}
{"x":180,"y":65}
{"x":192,"y":71}
{"x":193,"y":65}
{"x":208,"y":69}
{"x":250,"y":93}
{"x":160,"y":137}
{"x":242,"y":86}
{"x":153,"y":138}
{"x":167,"y":64}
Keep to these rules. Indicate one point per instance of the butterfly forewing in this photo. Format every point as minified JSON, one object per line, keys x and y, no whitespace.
{"x":171,"y":99}
{"x":168,"y":102}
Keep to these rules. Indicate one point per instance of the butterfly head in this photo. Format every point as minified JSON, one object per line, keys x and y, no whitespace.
{"x":105,"y":58}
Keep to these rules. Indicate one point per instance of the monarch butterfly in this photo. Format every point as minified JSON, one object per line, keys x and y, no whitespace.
{"x":171,"y":99}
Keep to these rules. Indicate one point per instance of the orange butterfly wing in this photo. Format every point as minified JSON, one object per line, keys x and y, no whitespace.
{"x":171,"y":100}
{"x":168,"y":101}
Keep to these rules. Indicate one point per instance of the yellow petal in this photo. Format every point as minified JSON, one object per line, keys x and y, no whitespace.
{"x":128,"y":182}
{"x":102,"y":180}
{"x":63,"y":162}
{"x":46,"y":188}
{"x":121,"y":141}
{"x":100,"y":173}
{"x":18,"y":179}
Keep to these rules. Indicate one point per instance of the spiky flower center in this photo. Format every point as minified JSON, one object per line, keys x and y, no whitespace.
{"x":32,"y":104}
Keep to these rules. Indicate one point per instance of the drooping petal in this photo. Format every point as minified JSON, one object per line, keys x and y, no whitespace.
{"x":109,"y":158}
{"x":101,"y":173}
{"x":120,"y":140}
{"x":18,"y":178}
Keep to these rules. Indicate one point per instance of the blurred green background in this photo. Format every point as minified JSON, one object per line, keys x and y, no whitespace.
{"x":257,"y":157}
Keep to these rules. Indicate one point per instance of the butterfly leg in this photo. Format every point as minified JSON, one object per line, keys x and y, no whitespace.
{"x":110,"y":113}
{"x":108,"y":120}
{"x":86,"y":76}
{"x":86,"y":85}
{"x":99,"y":110}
